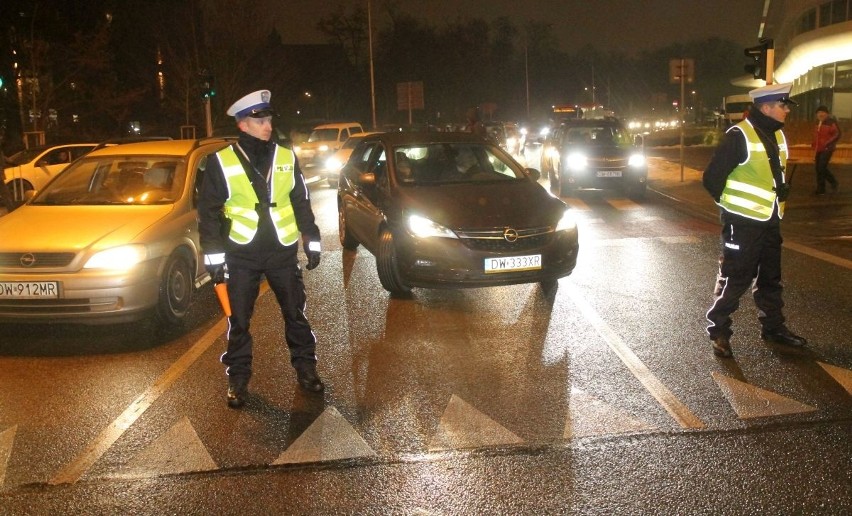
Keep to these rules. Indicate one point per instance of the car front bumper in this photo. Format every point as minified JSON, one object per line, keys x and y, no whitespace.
{"x":452,"y":263}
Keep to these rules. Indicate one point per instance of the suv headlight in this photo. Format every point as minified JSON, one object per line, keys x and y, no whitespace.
{"x":333,"y":164}
{"x":425,"y":228}
{"x":576,"y":161}
{"x":636,"y":160}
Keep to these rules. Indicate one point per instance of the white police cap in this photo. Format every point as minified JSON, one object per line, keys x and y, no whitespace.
{"x":772,"y":93}
{"x":255,"y":104}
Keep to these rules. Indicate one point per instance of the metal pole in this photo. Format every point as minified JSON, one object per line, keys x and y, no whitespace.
{"x":682,"y":111}
{"x":372,"y":77}
{"x":208,"y":116}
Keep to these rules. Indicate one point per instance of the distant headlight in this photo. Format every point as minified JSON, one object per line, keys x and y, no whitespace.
{"x":323,"y":148}
{"x":552,"y":152}
{"x":425,"y":228}
{"x":576,"y":161}
{"x":567,"y":222}
{"x":297,"y":149}
{"x":118,"y":258}
{"x":511,"y":142}
{"x":636,"y":160}
{"x":544,"y":131}
{"x":333,"y":164}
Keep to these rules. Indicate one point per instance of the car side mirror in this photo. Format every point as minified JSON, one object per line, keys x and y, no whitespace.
{"x":367,"y":179}
{"x":533,"y":173}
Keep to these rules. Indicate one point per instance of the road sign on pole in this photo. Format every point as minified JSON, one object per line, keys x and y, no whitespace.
{"x":409,"y":96}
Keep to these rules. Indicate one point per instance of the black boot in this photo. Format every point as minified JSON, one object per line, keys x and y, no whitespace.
{"x":722,"y":347}
{"x":237,"y":391}
{"x":784,"y":337}
{"x":306,"y":374}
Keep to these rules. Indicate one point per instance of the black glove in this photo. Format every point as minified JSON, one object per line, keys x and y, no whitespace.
{"x":312,"y":251}
{"x":218,"y":273}
{"x":313,"y":259}
{"x":783,"y":191}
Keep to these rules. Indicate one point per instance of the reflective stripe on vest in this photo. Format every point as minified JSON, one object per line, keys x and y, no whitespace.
{"x":241,"y":205}
{"x":749,"y":190}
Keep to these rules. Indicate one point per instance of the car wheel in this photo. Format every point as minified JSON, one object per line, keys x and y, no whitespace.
{"x":346,"y":239}
{"x":387,"y":267}
{"x":176,"y":287}
{"x":19,"y":188}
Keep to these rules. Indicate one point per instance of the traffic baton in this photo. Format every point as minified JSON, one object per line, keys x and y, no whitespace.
{"x":222,"y":294}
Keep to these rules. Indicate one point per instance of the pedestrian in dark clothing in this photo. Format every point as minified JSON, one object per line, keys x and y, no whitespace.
{"x":253,"y":209}
{"x":825,"y":141}
{"x":746,"y":179}
{"x":5,"y":194}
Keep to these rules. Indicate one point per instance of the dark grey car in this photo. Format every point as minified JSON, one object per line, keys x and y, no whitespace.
{"x":449,"y":210}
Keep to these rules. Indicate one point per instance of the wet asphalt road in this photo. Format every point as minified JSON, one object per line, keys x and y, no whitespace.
{"x":601,"y":398}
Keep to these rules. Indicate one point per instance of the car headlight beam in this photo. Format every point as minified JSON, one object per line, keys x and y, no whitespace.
{"x":118,"y":258}
{"x":567,"y":222}
{"x":636,"y":160}
{"x":576,"y":161}
{"x":424,"y":228}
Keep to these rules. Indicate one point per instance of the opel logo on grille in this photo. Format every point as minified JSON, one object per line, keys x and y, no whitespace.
{"x":511,"y":235}
{"x":28,"y":260}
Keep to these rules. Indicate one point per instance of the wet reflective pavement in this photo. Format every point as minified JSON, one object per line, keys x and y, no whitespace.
{"x":601,"y":397}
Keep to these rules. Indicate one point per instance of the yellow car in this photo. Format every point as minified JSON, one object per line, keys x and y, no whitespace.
{"x":112,"y":238}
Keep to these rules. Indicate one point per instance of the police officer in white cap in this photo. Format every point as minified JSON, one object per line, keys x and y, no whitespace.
{"x":746,"y":178}
{"x":253,"y":209}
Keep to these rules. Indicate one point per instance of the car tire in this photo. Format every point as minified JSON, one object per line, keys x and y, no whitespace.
{"x":346,"y":239}
{"x":386,"y":266}
{"x":176,"y":289}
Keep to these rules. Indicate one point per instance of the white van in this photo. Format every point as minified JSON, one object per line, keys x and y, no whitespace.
{"x":323,"y":142}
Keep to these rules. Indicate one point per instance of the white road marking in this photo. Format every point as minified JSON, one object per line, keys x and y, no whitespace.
{"x":463,"y":426}
{"x":676,"y":408}
{"x":7,"y":437}
{"x":749,"y":401}
{"x":330,"y":437}
{"x":74,"y":471}
{"x":590,"y":416}
{"x":179,"y":450}
{"x":810,"y":251}
{"x":840,"y":375}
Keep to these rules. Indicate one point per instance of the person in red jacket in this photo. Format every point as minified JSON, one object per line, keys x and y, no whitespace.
{"x":825,"y":140}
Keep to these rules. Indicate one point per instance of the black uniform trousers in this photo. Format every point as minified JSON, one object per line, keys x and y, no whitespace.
{"x":289,"y":289}
{"x":751,"y":257}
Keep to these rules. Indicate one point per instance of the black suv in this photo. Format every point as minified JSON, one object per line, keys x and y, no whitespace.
{"x":594,"y":153}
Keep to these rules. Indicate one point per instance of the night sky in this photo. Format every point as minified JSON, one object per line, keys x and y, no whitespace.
{"x":608,"y":25}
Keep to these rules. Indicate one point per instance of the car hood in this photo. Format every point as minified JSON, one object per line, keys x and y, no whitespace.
{"x":73,"y":228}
{"x":483,"y":205}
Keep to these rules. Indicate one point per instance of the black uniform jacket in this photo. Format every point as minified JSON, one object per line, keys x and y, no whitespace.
{"x":733,"y":150}
{"x":264,"y":250}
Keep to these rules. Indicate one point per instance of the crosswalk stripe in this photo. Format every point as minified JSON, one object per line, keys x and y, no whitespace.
{"x":463,"y":426}
{"x":840,"y":375}
{"x":178,"y":450}
{"x":589,"y":416}
{"x":330,"y":437}
{"x":624,"y":204}
{"x":577,"y":204}
{"x":7,"y":437}
{"x":749,"y":401}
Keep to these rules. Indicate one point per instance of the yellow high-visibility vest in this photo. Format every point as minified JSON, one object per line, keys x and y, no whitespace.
{"x":242,"y":203}
{"x":749,"y":190}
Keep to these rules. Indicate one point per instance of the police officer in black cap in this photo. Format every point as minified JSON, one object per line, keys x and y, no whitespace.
{"x":746,"y":178}
{"x":253,"y":209}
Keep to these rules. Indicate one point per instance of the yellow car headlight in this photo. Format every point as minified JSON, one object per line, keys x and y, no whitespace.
{"x":567,"y":222}
{"x":118,"y":258}
{"x":425,"y":228}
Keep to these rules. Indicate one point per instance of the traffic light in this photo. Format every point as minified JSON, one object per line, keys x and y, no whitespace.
{"x":758,"y":63}
{"x":207,"y":88}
